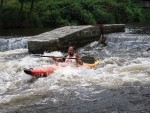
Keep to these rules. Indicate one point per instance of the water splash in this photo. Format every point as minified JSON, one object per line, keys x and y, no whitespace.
{"x":13,"y":43}
{"x":124,"y":63}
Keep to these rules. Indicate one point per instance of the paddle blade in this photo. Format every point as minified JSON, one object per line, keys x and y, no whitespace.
{"x":88,"y":59}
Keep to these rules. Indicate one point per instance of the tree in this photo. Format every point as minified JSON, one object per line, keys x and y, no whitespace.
{"x":1,"y":5}
{"x":21,"y":6}
{"x":31,"y":6}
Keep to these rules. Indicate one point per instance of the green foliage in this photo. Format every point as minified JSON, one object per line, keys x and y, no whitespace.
{"x":7,"y":16}
{"x":34,"y":20}
{"x":131,"y":10}
{"x":53,"y":13}
{"x":138,"y":16}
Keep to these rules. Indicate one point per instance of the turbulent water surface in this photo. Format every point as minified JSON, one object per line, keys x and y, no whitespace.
{"x":120,"y":84}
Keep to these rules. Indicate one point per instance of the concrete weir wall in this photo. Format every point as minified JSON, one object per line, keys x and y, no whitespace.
{"x":61,"y":38}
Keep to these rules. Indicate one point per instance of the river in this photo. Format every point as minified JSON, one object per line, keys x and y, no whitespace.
{"x":120,"y":84}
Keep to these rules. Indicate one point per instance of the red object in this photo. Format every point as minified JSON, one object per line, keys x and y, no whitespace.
{"x":44,"y":71}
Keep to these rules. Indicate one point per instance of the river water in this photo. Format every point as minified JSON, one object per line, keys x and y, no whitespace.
{"x":120,"y":84}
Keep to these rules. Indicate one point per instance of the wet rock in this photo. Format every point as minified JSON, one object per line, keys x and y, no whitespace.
{"x":61,"y":38}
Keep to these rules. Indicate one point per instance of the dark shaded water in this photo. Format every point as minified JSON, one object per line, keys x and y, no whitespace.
{"x":22,"y":32}
{"x":130,"y":99}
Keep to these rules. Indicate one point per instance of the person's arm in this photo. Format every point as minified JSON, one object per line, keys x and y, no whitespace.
{"x":58,"y":59}
{"x":78,"y":60}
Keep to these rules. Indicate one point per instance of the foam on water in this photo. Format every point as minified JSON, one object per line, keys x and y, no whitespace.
{"x":113,"y":72}
{"x":13,"y":43}
{"x":124,"y":62}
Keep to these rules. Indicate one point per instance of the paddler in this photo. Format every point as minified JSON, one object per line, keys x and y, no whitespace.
{"x":72,"y":58}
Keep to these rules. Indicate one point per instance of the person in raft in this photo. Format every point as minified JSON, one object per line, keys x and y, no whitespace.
{"x":71,"y":58}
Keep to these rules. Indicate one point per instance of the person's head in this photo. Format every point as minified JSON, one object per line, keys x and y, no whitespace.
{"x":71,"y":50}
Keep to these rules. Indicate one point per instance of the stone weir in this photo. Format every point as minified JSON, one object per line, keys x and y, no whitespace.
{"x":59,"y":39}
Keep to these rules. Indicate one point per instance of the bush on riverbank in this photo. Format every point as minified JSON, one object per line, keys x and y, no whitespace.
{"x":53,"y":13}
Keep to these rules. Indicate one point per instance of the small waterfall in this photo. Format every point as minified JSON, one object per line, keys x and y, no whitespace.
{"x":13,"y":43}
{"x":122,"y":45}
{"x":122,"y":37}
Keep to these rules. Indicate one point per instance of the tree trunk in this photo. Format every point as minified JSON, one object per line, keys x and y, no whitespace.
{"x":21,"y":7}
{"x":1,"y":5}
{"x":32,"y":6}
{"x":5,"y":2}
{"x":21,"y":13}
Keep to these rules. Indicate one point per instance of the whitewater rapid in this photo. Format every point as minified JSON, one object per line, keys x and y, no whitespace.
{"x":124,"y":64}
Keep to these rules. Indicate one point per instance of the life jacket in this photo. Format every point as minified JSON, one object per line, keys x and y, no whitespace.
{"x":71,"y":61}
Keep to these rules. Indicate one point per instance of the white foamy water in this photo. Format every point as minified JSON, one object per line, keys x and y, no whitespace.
{"x":124,"y":71}
{"x":13,"y":43}
{"x":113,"y":72}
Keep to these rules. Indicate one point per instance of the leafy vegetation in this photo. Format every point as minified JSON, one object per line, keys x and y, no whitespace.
{"x":53,"y":13}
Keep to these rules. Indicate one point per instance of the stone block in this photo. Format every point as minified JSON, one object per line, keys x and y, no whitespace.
{"x":61,"y":38}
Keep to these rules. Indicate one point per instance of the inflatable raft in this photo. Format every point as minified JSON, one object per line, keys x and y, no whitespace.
{"x":44,"y":71}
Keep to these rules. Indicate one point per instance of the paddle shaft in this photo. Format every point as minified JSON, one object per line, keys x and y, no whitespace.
{"x":65,"y":57}
{"x":58,"y":57}
{"x":86,"y":59}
